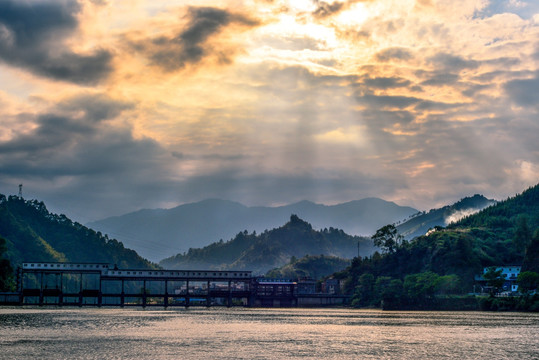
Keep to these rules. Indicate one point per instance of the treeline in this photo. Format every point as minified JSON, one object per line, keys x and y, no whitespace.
{"x":32,"y":233}
{"x":309,"y":266}
{"x":431,"y":272}
{"x":437,"y":270}
{"x":443,"y":262}
{"x":512,"y":220}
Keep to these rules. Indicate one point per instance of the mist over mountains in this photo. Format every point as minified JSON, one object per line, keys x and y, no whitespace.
{"x":273,"y":248}
{"x":420,"y":223}
{"x":160,"y":233}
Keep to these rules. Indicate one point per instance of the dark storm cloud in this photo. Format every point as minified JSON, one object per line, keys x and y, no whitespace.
{"x":189,"y":45}
{"x":436,"y":105}
{"x":395,"y":53}
{"x":382,"y":118}
{"x":387,"y":101}
{"x":219,"y":157}
{"x":524,"y":92}
{"x":536,"y":53}
{"x":440,"y":79}
{"x":95,"y":108}
{"x":74,"y":150}
{"x":452,"y":63}
{"x":70,"y":123}
{"x":324,"y":9}
{"x":32,"y":36}
{"x":386,"y":82}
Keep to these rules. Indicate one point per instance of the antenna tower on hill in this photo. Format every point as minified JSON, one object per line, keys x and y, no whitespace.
{"x":20,"y":191}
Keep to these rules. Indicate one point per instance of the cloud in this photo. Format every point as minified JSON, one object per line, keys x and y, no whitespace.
{"x":459,"y":214}
{"x":394,"y":53}
{"x":440,"y":79}
{"x":68,"y":123}
{"x":75,"y":148}
{"x":387,"y":82}
{"x":523,"y":8}
{"x":524,"y":92}
{"x":387,"y":101}
{"x":451,"y":63}
{"x":325,"y":100}
{"x":325,"y":9}
{"x":33,"y":36}
{"x":190,"y":44}
{"x":270,"y":188}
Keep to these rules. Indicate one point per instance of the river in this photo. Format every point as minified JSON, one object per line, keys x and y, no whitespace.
{"x":245,"y":333}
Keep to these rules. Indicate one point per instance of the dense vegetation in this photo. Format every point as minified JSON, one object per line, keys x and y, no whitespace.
{"x":6,"y":271}
{"x":32,"y":233}
{"x":314,"y":267}
{"x":419,"y":273}
{"x":272,"y":248}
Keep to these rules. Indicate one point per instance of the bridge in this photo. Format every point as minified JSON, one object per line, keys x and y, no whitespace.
{"x":103,"y":284}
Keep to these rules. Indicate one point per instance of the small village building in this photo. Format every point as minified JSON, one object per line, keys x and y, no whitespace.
{"x":333,"y":286}
{"x":509,"y":273}
{"x":306,"y":286}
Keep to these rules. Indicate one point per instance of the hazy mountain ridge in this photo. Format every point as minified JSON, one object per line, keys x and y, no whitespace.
{"x":419,"y":225}
{"x":157,"y":234}
{"x":32,"y":233}
{"x":272,"y":248}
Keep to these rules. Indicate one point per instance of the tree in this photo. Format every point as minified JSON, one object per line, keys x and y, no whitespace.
{"x":449,"y":284}
{"x":531,"y":258}
{"x":494,"y":279}
{"x":421,"y":286}
{"x":523,"y":234}
{"x":527,"y":281}
{"x":364,"y":292}
{"x":6,"y":271}
{"x":387,"y":238}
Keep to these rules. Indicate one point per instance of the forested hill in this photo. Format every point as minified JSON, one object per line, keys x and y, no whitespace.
{"x":309,"y":266}
{"x":508,"y":213}
{"x":446,"y":260}
{"x":32,"y":233}
{"x":272,"y":248}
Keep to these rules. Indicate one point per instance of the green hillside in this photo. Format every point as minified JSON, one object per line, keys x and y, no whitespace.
{"x":271,"y":249}
{"x":446,"y":260}
{"x":314,"y":267}
{"x":32,"y":233}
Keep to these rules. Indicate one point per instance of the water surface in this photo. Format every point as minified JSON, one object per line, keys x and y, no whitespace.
{"x":238,"y":333}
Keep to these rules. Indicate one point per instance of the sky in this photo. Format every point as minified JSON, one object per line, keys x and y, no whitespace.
{"x":110,"y":106}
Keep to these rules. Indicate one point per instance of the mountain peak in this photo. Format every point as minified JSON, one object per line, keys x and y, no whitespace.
{"x":297,"y":222}
{"x":198,"y":224}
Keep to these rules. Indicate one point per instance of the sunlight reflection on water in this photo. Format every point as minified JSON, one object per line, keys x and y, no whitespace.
{"x":219,"y":333}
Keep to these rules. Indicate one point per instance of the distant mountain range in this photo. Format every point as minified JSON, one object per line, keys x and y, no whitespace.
{"x":160,"y":233}
{"x":420,"y":223}
{"x":273,"y":248}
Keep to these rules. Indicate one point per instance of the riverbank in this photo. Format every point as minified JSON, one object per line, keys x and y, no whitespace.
{"x":468,"y":303}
